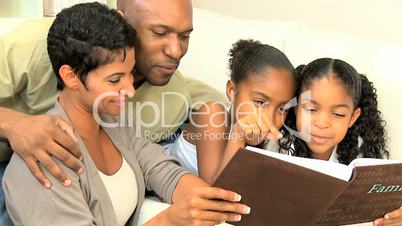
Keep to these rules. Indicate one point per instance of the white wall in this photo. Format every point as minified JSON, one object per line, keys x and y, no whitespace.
{"x":380,"y":19}
{"x":21,"y":8}
{"x":34,"y":8}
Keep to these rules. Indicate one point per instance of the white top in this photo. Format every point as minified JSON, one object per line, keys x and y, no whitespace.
{"x":274,"y":146}
{"x":123,"y":191}
{"x":185,"y":152}
{"x":334,"y":155}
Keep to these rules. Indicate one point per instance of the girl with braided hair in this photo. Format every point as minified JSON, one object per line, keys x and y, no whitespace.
{"x":337,"y":114}
{"x":336,"y":119}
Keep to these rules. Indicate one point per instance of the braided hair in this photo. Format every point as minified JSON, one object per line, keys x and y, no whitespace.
{"x":370,"y":127}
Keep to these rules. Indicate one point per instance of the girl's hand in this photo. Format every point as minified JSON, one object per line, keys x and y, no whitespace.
{"x":252,"y":129}
{"x":249,"y":130}
{"x":393,"y":218}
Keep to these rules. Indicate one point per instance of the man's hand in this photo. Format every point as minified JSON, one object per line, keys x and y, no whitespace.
{"x":393,"y":218}
{"x":36,"y":138}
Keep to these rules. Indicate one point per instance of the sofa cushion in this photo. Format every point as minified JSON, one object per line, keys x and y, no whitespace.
{"x":212,"y":38}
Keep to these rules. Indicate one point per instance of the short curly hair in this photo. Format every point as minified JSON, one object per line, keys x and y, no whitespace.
{"x":370,"y":127}
{"x":86,"y":36}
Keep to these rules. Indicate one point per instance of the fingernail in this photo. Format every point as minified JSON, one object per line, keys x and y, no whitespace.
{"x":237,"y":198}
{"x":80,"y":171}
{"x":246,"y":210}
{"x":386,"y":217}
{"x":47,"y":184}
{"x":67,"y":182}
{"x":237,"y":218}
{"x":81,"y":158}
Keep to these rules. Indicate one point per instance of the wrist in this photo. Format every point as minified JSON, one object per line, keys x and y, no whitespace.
{"x":163,"y":218}
{"x":167,"y":217}
{"x":8,"y":117}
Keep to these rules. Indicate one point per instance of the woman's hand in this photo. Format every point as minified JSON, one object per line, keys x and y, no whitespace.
{"x":207,"y":206}
{"x":393,"y":218}
{"x":195,"y":203}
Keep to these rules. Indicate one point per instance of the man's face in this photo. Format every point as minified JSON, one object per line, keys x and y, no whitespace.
{"x":163,"y":30}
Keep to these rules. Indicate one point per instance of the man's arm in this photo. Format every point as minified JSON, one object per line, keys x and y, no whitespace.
{"x":195,"y":203}
{"x":28,"y":84}
{"x":35,"y":138}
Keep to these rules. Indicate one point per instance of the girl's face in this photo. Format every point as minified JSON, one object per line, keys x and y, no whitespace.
{"x":263,"y":93}
{"x":325,"y":116}
{"x":110,"y":85}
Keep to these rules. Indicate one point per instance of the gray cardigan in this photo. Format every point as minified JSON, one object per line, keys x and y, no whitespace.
{"x":86,"y":201}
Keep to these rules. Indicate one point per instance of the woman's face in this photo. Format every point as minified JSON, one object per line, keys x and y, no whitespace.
{"x":324,"y":115}
{"x":109,"y":86}
{"x":264,"y":93}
